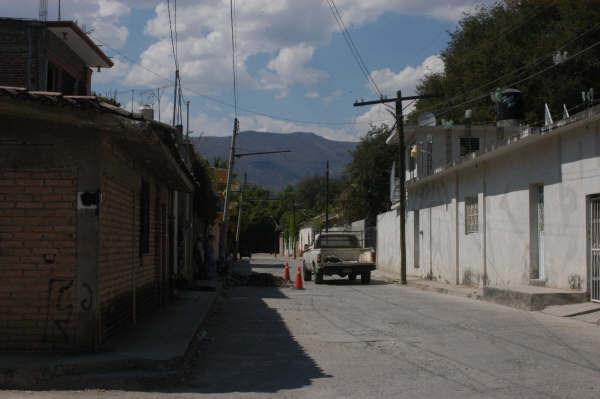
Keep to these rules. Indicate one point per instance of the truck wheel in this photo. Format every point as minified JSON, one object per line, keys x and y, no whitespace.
{"x":365,"y":277}
{"x":307,"y":274}
{"x":352,"y":276}
{"x":319,"y":278}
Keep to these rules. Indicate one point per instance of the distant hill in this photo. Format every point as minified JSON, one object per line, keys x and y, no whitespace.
{"x":308,"y":156}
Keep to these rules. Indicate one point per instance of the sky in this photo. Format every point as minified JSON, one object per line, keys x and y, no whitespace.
{"x":295,"y":70}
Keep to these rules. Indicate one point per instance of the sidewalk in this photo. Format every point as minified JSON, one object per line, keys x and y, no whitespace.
{"x":148,"y":353}
{"x":430,"y":285}
{"x":559,"y":303}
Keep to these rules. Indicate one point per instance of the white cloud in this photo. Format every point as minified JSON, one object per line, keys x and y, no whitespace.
{"x":312,"y":94}
{"x":407,"y":79}
{"x":117,"y":72}
{"x":289,"y":67}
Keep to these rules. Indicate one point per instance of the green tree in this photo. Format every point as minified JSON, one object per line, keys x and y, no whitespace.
{"x":499,"y":45}
{"x":366,"y":190}
{"x":205,"y":198}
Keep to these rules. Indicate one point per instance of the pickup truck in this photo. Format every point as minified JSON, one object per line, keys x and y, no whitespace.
{"x":337,"y":253}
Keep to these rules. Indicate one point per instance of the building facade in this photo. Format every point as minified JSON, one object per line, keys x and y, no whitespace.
{"x":519,"y":207}
{"x":87,"y":219}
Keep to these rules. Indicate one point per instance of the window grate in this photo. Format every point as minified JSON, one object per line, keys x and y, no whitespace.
{"x":468,"y":145}
{"x":471,"y":215}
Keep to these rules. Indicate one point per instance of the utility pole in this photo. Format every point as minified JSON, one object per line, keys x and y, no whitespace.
{"x":59,"y":10}
{"x":327,"y":198}
{"x":239,"y":221}
{"x":187,"y":132}
{"x":158,"y":96}
{"x":132,"y":101}
{"x":294,"y":227}
{"x":402,"y":160}
{"x":175,"y":95}
{"x":236,"y":127}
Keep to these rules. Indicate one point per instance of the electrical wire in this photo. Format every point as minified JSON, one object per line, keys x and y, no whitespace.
{"x":517,"y":71}
{"x":533,"y":75}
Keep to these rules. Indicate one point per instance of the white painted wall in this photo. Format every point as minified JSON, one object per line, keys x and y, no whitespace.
{"x":566,"y":161}
{"x":388,"y":242}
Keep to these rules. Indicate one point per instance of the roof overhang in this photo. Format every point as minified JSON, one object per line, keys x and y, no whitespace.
{"x":80,"y":43}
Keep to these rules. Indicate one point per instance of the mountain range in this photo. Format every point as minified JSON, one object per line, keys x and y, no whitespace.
{"x":308,"y":156}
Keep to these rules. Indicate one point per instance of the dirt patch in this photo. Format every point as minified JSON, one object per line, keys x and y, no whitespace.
{"x":256,"y":280}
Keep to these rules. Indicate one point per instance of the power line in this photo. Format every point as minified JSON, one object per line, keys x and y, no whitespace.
{"x":533,"y":75}
{"x":517,"y":71}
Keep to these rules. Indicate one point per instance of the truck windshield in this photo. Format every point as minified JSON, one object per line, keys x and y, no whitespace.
{"x":345,"y":241}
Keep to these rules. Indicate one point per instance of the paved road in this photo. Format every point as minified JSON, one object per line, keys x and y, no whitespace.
{"x":347,"y":340}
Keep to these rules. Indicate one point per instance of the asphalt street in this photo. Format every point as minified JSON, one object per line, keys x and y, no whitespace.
{"x":343,"y":339}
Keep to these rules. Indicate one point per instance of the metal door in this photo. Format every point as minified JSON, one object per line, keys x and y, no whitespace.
{"x":416,"y":238}
{"x":595,"y":249}
{"x":540,"y":230}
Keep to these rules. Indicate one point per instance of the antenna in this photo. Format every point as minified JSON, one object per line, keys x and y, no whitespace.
{"x":43,"y":15}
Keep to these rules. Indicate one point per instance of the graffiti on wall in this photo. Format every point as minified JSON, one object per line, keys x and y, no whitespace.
{"x":61,"y":306}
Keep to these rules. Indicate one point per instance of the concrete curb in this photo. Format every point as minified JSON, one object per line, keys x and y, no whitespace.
{"x":124,"y":373}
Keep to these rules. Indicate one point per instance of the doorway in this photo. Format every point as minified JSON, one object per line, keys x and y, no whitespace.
{"x":594,"y":245}
{"x":536,"y":223}
{"x":416,"y":238}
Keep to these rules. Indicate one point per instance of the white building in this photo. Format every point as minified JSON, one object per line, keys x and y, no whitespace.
{"x":507,"y":208}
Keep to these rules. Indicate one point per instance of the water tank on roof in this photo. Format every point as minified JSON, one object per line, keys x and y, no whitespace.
{"x":509,"y":106}
{"x":147,"y":111}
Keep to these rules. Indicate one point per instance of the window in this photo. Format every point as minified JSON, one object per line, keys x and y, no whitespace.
{"x":471,"y":215}
{"x":145,"y":218}
{"x":468,"y":145}
{"x":338,"y":241}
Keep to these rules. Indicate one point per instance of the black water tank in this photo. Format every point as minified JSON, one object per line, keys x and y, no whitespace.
{"x":509,"y":104}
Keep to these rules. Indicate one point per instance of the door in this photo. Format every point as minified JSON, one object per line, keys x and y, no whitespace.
{"x":416,"y":238}
{"x":540,"y":230}
{"x":594,"y":230}
{"x":536,"y":223}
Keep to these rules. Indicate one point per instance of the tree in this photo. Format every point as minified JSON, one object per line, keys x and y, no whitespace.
{"x":205,"y":198}
{"x":366,"y":190}
{"x":498,"y":45}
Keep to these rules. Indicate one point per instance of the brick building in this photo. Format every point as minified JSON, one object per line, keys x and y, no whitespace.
{"x":52,"y":56}
{"x":87,"y":194}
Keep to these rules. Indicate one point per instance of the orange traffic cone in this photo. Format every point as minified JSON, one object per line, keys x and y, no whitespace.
{"x":298,"y":283}
{"x":286,"y":272}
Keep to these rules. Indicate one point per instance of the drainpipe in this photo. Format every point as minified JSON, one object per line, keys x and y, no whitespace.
{"x":175,"y":234}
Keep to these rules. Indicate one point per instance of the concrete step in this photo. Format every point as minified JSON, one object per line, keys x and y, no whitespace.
{"x":531,"y":297}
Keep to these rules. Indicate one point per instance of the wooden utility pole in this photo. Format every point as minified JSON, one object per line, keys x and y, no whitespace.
{"x":187,"y":125}
{"x":239,"y":221}
{"x":294,"y":226}
{"x":402,"y":161}
{"x":224,"y":249}
{"x":175,"y":96}
{"x":327,"y":198}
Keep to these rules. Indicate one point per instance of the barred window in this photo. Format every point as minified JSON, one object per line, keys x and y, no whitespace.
{"x":471,"y":215}
{"x":468,"y":145}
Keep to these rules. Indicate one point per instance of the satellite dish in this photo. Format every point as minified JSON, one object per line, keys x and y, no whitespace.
{"x":427,"y":119}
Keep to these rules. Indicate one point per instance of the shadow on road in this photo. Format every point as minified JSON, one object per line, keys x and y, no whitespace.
{"x":252,"y":351}
{"x":345,"y":281}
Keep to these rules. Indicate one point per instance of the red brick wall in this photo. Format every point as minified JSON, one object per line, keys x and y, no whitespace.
{"x":117,"y":255}
{"x":37,"y":220}
{"x":121,"y":262}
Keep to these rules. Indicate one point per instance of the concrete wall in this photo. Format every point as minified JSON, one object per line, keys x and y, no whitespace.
{"x":388,"y":242}
{"x":566,"y":162}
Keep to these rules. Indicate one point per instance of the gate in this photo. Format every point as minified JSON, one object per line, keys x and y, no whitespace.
{"x":595,"y":249}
